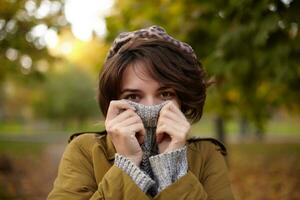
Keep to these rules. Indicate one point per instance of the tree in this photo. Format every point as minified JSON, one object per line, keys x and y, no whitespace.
{"x":26,"y":27}
{"x":67,"y":95}
{"x":251,"y":49}
{"x":257,"y":52}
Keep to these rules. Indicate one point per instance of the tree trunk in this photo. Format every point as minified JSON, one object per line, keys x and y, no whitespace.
{"x":259,"y":133}
{"x":244,"y":128}
{"x":2,"y":114}
{"x":220,"y":129}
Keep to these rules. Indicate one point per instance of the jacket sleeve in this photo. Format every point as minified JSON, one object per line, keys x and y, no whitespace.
{"x":214,"y":185}
{"x":76,"y":180}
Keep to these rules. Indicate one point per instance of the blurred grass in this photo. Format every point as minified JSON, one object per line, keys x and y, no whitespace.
{"x":14,"y":128}
{"x":19,"y":149}
{"x":11,"y":127}
{"x":287,"y":127}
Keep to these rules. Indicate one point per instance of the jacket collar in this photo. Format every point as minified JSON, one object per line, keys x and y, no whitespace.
{"x":110,"y":148}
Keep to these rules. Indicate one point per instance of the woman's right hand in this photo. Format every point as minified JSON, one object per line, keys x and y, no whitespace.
{"x":126,"y":130}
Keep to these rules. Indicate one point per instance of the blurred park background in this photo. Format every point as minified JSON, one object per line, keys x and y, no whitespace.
{"x":51,"y":52}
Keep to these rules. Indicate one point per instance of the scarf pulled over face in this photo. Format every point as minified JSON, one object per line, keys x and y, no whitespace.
{"x":149,"y":116}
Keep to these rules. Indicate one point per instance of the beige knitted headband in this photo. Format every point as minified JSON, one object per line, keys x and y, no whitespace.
{"x":155,"y":32}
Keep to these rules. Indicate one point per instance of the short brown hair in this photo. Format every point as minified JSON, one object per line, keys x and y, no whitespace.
{"x":167,"y":64}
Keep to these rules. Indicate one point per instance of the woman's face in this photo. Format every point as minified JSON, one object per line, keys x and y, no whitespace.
{"x":137,"y":85}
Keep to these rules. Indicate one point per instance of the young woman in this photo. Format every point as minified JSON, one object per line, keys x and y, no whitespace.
{"x":151,"y":88}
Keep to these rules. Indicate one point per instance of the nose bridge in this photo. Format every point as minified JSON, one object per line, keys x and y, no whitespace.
{"x":150,"y":100}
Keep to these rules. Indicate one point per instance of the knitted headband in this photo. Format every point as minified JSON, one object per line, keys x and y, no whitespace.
{"x":153,"y":32}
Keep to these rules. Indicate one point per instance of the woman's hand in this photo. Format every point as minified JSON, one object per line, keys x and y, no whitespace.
{"x":126,"y":130}
{"x":172,"y":128}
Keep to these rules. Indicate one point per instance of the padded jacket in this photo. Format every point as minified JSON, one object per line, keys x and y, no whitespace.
{"x":87,"y":171}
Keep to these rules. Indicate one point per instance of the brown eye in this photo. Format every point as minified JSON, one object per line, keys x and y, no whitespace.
{"x":167,"y":95}
{"x":132,"y":97}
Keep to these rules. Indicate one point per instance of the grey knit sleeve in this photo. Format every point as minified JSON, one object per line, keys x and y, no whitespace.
{"x":143,"y":181}
{"x":169,"y":167}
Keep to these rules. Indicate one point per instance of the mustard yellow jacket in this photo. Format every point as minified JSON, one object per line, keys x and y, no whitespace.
{"x":86,"y":171}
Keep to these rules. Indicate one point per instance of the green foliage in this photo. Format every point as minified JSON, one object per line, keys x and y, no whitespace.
{"x":251,"y":48}
{"x":23,"y":25}
{"x":257,"y":55}
{"x":68,"y":95}
{"x":20,"y":149}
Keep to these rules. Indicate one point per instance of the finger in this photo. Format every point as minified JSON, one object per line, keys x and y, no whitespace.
{"x":174,"y":108}
{"x":126,"y":117}
{"x":164,"y":138}
{"x":164,"y":129}
{"x":139,"y":131}
{"x":179,"y":128}
{"x":131,"y":120}
{"x":122,"y":116}
{"x":115,"y":106}
{"x":160,"y":132}
{"x":140,"y":138}
{"x":181,"y":124}
{"x":171,"y":115}
{"x":159,"y":136}
{"x":176,"y":130}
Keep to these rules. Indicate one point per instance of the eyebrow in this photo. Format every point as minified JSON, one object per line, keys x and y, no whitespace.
{"x":130,"y":90}
{"x":137,"y":91}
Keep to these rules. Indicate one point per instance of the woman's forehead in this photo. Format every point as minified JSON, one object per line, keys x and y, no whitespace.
{"x":138,"y":75}
{"x":140,"y":69}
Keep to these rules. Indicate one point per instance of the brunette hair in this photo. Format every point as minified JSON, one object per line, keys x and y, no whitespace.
{"x":167,"y":64}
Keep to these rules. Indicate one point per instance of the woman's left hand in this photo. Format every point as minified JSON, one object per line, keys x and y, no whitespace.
{"x":172,"y":128}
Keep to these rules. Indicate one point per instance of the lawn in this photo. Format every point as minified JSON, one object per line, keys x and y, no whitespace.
{"x":19,"y":149}
{"x":275,"y":127}
{"x":288,"y":127}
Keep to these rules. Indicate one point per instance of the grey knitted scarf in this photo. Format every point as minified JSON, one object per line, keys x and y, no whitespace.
{"x":149,"y":116}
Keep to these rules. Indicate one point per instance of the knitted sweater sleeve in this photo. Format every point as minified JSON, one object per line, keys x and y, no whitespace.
{"x":169,"y":167}
{"x":143,"y":181}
